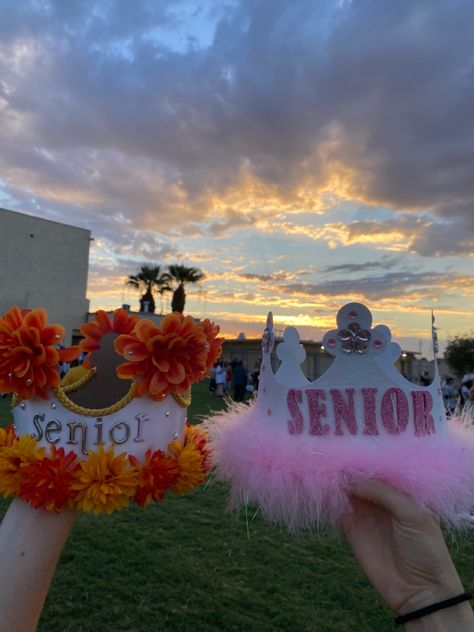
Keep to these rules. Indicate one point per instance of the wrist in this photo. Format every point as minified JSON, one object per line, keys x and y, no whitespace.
{"x":434,"y":592}
{"x":457,"y":616}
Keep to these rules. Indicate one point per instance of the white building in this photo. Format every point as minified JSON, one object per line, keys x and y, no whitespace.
{"x":44,"y":264}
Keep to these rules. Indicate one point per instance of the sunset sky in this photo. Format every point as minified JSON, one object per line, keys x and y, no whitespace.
{"x":302,"y":153}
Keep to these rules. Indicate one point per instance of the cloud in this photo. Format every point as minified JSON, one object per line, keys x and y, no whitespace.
{"x":404,"y":284}
{"x":161,"y":114}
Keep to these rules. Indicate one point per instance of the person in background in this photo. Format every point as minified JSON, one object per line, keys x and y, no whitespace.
{"x":220,"y":378}
{"x":240,"y":381}
{"x":466,"y":385}
{"x":212,"y":373}
{"x":449,"y":396}
{"x":229,"y":373}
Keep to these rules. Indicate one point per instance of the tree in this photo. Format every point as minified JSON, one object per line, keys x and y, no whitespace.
{"x":459,"y":354}
{"x":182,"y":275}
{"x":149,"y":279}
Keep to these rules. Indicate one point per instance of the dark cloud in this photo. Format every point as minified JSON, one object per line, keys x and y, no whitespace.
{"x":123,"y":108}
{"x":384,"y":263}
{"x":391,"y":284}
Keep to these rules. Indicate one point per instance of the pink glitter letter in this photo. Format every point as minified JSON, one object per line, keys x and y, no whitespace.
{"x":295,"y":424}
{"x":422,"y":405}
{"x":344,"y":411}
{"x":370,"y":418}
{"x":316,"y":411}
{"x":388,"y":414}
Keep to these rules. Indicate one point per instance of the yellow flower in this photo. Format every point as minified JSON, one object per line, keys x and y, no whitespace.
{"x":190,"y":467}
{"x":13,"y":461}
{"x":105,"y":482}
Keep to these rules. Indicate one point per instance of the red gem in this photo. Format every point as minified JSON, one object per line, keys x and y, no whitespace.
{"x":378,"y":343}
{"x":352,"y":314}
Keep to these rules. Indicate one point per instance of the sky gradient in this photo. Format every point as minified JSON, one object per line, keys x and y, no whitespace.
{"x":302,"y":154}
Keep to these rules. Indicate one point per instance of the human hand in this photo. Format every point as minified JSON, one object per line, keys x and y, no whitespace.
{"x":400,"y":548}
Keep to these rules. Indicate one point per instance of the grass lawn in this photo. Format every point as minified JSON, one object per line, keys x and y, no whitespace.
{"x":189,"y":565}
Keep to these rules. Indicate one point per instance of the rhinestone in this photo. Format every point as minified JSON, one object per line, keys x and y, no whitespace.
{"x":23,"y":405}
{"x":130,"y":353}
{"x":331,"y":342}
{"x":360,"y":347}
{"x":378,"y":344}
{"x":167,"y":413}
{"x":175,"y":435}
{"x":354,"y":327}
{"x":363,"y":335}
{"x":344,"y":334}
{"x":57,"y":336}
{"x":347,"y":346}
{"x":53,"y":406}
{"x":352,"y":314}
{"x":10,"y":375}
{"x":207,"y":347}
{"x":29,"y":381}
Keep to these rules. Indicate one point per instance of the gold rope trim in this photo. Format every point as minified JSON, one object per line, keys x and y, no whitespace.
{"x":93,"y":412}
{"x":69,"y":388}
{"x":183,"y":400}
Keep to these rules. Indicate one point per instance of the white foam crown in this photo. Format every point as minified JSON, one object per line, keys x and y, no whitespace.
{"x":362,"y":394}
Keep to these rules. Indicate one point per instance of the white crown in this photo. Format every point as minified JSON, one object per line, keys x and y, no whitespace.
{"x":362,"y":394}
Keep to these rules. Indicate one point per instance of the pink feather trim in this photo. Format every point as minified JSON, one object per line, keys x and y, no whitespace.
{"x":300,"y":480}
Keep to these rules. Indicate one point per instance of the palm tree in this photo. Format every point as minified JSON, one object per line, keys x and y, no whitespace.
{"x":182,"y":275}
{"x":148,"y":280}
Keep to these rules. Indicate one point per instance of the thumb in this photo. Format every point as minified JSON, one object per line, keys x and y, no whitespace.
{"x":375,"y":491}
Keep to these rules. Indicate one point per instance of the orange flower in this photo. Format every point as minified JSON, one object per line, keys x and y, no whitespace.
{"x":7,"y":436}
{"x":166,"y":359}
{"x":13,"y":462}
{"x":157,"y":474}
{"x":29,"y":359}
{"x":47,"y":482}
{"x":121,"y":323}
{"x":215,"y":344}
{"x":104,"y":482}
{"x":191,"y":473}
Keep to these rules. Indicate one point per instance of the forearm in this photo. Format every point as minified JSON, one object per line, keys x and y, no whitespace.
{"x":31,"y":541}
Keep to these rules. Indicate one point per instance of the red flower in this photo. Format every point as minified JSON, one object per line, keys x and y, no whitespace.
{"x":29,"y":359}
{"x":121,"y":323}
{"x":166,"y":359}
{"x":47,"y":483}
{"x":157,"y":474}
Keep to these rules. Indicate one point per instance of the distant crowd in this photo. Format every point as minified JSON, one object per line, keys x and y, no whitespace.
{"x":459,"y":399}
{"x":233,"y":379}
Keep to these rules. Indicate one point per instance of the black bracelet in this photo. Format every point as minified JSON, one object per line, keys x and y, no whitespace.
{"x":447,"y":603}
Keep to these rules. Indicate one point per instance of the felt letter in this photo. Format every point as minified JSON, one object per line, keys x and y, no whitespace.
{"x":316,"y":411}
{"x":344,"y":411}
{"x":422,"y":405}
{"x":370,"y":419}
{"x":388,"y":413}
{"x":295,"y":424}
